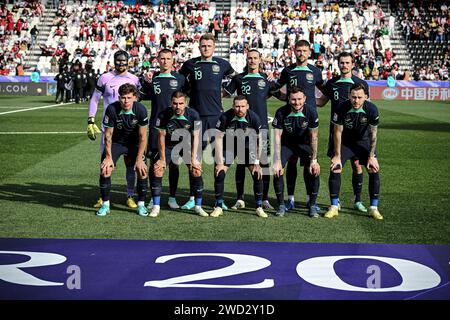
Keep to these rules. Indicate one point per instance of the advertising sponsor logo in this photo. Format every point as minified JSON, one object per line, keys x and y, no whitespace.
{"x":23,"y":88}
{"x":390,"y":93}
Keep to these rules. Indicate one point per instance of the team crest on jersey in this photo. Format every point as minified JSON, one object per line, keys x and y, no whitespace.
{"x":218,"y":124}
{"x":309,"y":77}
{"x":288,"y":125}
{"x":304,"y":125}
{"x":363,"y":120}
{"x":171,"y":127}
{"x":187,"y":126}
{"x":348,"y":123}
{"x":173,"y":84}
{"x":261,"y":84}
{"x":134,"y":122}
{"x":215,"y":68}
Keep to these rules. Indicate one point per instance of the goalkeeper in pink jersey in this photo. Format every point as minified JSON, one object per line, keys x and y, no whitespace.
{"x":108,"y":87}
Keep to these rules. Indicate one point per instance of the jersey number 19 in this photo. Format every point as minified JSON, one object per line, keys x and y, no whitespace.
{"x":198,"y":74}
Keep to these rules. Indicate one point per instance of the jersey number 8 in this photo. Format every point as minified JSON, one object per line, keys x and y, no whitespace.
{"x":336,"y":95}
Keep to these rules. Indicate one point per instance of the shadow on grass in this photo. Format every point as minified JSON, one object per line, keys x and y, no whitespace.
{"x":83,"y":197}
{"x":433,"y":127}
{"x":77,"y":197}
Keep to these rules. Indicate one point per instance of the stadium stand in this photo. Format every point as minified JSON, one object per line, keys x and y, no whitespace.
{"x":16,"y":22}
{"x":425,"y":29}
{"x":94,"y":30}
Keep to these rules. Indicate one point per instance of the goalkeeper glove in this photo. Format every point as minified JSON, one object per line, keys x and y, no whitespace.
{"x":92,"y":129}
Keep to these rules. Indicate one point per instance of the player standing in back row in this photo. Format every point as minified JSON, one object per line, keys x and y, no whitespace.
{"x":303,"y":75}
{"x":337,"y":90}
{"x":159,"y":91}
{"x":254,"y":85}
{"x":108,"y":87}
{"x":204,"y":75}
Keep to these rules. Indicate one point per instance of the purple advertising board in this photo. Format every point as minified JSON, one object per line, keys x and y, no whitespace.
{"x":72,"y":269}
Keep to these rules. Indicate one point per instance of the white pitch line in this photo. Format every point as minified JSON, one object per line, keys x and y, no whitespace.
{"x":36,"y":108}
{"x":42,"y":132}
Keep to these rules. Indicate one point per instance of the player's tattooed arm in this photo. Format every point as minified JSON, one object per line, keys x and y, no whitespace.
{"x":277,"y":167}
{"x":108,"y":141}
{"x":314,"y":133}
{"x":314,"y":167}
{"x":107,"y":164}
{"x":373,"y":139}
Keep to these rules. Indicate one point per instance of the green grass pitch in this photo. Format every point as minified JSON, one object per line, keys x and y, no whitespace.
{"x":49,"y":182}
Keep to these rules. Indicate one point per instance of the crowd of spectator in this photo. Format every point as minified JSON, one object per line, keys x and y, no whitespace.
{"x":86,"y":32}
{"x":427,"y":22}
{"x":141,"y":30}
{"x":15,"y":37}
{"x":374,"y":61}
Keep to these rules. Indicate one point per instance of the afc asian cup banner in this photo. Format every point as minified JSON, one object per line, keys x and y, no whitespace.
{"x":192,"y":270}
{"x":410,"y":90}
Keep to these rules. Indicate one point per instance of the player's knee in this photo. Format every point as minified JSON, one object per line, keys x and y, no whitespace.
{"x":196,"y":172}
{"x":158,"y":172}
{"x":105,"y":174}
{"x":372,"y":170}
{"x":221,"y":175}
{"x":141,"y":176}
{"x":357,"y":168}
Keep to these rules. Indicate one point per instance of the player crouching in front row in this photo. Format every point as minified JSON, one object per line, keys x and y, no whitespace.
{"x":126,"y":125}
{"x":239,"y":137}
{"x":355,"y":136}
{"x":296,"y":127}
{"x":177,"y":120}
